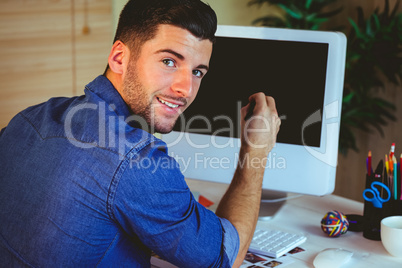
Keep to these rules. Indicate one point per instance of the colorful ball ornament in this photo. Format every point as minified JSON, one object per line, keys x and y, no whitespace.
{"x":334,"y":223}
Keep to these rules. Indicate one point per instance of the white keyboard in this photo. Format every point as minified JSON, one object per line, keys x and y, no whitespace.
{"x":274,"y":243}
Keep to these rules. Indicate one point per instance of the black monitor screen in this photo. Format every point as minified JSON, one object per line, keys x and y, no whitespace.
{"x":294,"y":73}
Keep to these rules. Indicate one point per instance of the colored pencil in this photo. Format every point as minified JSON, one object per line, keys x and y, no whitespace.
{"x":395,"y":177}
{"x":386,"y":164}
{"x":400,"y":174}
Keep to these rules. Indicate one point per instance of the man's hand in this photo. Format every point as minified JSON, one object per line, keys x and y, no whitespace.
{"x":260,"y":124}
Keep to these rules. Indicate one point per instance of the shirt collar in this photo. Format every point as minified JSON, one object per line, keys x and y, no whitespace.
{"x":104,"y":89}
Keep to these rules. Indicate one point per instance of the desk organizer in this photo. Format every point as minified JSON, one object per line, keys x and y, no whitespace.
{"x":373,"y":215}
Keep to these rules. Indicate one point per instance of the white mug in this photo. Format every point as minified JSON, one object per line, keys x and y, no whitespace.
{"x":391,"y":235}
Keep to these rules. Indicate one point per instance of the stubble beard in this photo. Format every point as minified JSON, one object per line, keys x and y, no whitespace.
{"x":140,"y":103}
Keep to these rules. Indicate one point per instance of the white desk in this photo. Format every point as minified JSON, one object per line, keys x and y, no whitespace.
{"x":304,"y":215}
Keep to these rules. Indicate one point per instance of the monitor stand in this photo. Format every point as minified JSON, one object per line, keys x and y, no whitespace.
{"x":270,"y":208}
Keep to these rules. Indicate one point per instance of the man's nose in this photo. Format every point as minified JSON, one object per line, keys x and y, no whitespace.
{"x":183,"y":83}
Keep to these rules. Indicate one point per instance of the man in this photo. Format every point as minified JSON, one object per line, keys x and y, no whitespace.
{"x":74,"y":186}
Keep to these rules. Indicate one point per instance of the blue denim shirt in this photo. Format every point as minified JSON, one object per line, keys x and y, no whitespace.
{"x":81,"y":185}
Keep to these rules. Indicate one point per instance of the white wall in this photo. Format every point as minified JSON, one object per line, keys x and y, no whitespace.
{"x":237,"y":12}
{"x":229,"y":12}
{"x":117,"y":6}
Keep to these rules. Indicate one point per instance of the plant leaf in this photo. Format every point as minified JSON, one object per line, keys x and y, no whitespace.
{"x":308,"y":4}
{"x":356,"y":28}
{"x":291,"y":12}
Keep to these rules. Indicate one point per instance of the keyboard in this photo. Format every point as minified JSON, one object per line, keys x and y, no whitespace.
{"x":273,"y":243}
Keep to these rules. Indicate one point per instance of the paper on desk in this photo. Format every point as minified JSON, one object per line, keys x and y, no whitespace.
{"x":202,"y":199}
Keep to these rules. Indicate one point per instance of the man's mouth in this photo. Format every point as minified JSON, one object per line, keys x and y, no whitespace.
{"x":169,"y":104}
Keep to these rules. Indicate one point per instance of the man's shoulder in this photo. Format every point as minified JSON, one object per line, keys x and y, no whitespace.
{"x":49,"y":118}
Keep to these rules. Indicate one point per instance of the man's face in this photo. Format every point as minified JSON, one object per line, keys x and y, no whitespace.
{"x":163,"y":79}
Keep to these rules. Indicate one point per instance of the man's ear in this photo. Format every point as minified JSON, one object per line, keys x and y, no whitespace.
{"x":118,"y":57}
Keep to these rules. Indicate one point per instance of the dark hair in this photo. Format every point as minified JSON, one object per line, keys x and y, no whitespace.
{"x":139,"y":19}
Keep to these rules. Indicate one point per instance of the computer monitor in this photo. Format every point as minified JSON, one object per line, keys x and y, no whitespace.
{"x":304,"y":72}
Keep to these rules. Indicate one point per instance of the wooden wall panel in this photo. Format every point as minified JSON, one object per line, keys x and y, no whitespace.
{"x":34,"y":40}
{"x":44,"y":53}
{"x":92,"y":50}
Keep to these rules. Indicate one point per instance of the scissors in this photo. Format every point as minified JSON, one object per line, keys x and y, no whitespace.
{"x":376,"y":196}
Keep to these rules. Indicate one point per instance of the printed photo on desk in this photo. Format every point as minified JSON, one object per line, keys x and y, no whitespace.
{"x":253,"y":260}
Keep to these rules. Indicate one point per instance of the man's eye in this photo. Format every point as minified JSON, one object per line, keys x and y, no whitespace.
{"x":168,"y":62}
{"x":198,"y":73}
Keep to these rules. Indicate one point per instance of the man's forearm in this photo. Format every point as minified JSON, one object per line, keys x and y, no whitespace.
{"x":241,"y":203}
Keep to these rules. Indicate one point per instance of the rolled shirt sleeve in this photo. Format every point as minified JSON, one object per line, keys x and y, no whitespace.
{"x":230,"y":240}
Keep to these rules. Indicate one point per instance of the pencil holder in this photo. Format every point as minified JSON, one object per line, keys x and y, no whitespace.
{"x":389,"y":203}
{"x":376,"y":205}
{"x":368,"y":206}
{"x":392,"y":208}
{"x":372,"y":216}
{"x":372,"y":224}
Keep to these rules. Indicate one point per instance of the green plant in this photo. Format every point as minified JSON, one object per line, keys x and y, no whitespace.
{"x":298,"y":14}
{"x":374,"y":57}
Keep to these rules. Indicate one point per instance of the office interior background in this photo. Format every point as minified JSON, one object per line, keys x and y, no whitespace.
{"x":51,"y":48}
